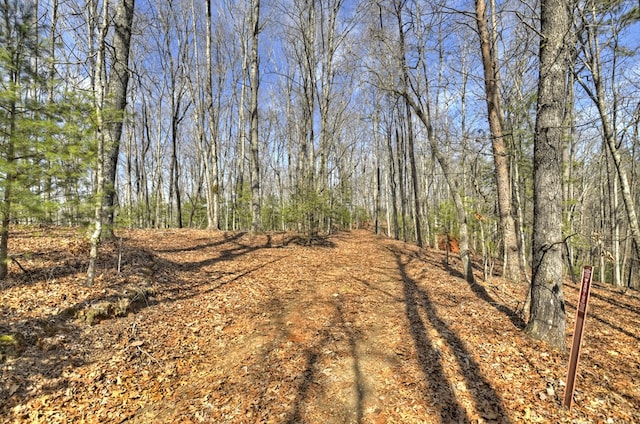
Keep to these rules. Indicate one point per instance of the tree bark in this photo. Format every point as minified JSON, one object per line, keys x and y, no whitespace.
{"x":7,"y":185}
{"x":392,"y":183}
{"x":116,"y":96}
{"x":213,"y":212}
{"x":547,"y":311}
{"x":99,"y":83}
{"x":415,"y":182}
{"x":254,"y":79}
{"x":465,"y":253}
{"x":500,"y":151}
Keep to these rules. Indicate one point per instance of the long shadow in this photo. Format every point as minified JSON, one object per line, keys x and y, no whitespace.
{"x":170,"y":289}
{"x":227,"y":238}
{"x":26,"y":275}
{"x":441,"y":392}
{"x":188,"y":290}
{"x":308,"y":376}
{"x":597,"y":317}
{"x":482,"y":293}
{"x":333,"y":330}
{"x":357,"y":371}
{"x":63,"y":269}
{"x":58,"y":351}
{"x":314,"y":354}
{"x":478,"y":289}
{"x":484,"y":395}
{"x":226,"y":255}
{"x":613,"y":302}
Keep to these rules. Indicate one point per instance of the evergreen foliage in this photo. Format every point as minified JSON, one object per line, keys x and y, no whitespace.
{"x":45,"y":142}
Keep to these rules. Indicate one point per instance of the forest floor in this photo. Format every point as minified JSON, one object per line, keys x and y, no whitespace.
{"x":192,"y":326}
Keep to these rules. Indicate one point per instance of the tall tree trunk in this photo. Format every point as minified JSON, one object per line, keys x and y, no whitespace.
{"x":378,"y":193}
{"x":599,"y":99}
{"x":401,"y":180}
{"x":412,"y":156}
{"x":547,"y":318}
{"x":7,"y":188}
{"x":567,"y":159}
{"x":175,"y":171}
{"x":391,"y":175}
{"x":242,"y":127}
{"x":500,"y":152}
{"x":116,"y":97}
{"x":99,"y":83}
{"x":213,"y":209}
{"x":465,"y":254}
{"x":614,"y":222}
{"x":254,"y":80}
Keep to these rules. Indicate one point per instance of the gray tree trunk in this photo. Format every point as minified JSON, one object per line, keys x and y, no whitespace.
{"x":254,"y":79}
{"x":500,"y":153}
{"x":547,"y":318}
{"x":116,"y":96}
{"x":415,"y":182}
{"x":213,"y":212}
{"x":99,"y":82}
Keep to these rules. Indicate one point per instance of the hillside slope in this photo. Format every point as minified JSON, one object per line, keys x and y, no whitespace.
{"x":197,"y":326}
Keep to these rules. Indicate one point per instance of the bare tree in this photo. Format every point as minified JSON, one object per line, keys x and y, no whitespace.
{"x":593,"y":17}
{"x":410,"y":138}
{"x":254,"y":81}
{"x":500,"y":151}
{"x":547,"y":312}
{"x":213,"y":185}
{"x":111,"y":101}
{"x":116,"y":96}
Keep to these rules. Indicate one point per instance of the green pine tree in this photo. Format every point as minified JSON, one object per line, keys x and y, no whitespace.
{"x":43,"y":143}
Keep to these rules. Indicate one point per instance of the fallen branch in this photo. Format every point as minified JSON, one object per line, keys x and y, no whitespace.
{"x":13,"y":258}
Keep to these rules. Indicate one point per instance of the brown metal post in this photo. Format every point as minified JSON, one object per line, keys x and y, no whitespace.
{"x":581,"y":314}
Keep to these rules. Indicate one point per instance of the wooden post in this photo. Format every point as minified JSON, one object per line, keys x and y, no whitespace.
{"x":581,"y":314}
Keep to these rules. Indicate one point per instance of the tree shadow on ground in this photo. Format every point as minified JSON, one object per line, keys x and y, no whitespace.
{"x":124,"y":265}
{"x":336,"y":328}
{"x":477,"y":288}
{"x":316,"y":350}
{"x":597,"y":317}
{"x":227,"y":238}
{"x":482,"y":293}
{"x":48,"y":349}
{"x":616,"y":302}
{"x":419,"y":304}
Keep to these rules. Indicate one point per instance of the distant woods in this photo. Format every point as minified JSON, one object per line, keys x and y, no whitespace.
{"x":413,"y":118}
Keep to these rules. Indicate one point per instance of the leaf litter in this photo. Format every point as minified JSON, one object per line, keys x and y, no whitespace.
{"x":200,"y":326}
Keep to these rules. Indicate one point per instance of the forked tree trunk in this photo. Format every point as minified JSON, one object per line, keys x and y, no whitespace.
{"x":111,"y":96}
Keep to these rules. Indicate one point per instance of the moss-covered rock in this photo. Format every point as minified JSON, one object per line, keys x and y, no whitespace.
{"x":11,"y":346}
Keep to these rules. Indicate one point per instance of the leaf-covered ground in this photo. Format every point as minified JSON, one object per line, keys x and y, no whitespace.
{"x":197,"y":326}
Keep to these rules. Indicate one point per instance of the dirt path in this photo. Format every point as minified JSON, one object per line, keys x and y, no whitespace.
{"x":358,"y":329}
